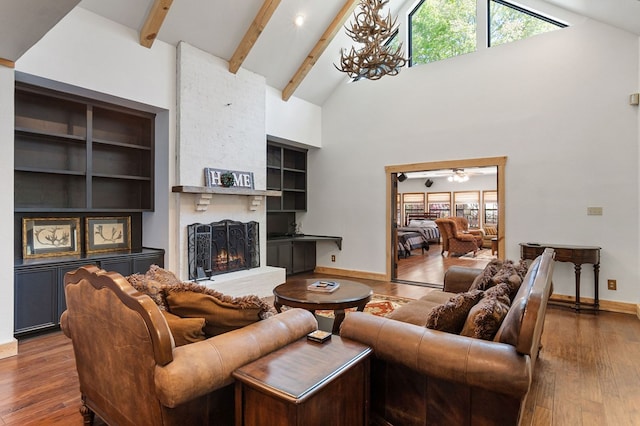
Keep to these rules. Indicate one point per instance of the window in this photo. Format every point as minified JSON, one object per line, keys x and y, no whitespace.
{"x":413,"y":202}
{"x":441,"y":29}
{"x":439,"y":203}
{"x":467,"y":205}
{"x":490,"y":208}
{"x":508,"y":23}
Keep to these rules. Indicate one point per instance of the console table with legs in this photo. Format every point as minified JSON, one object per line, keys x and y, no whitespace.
{"x":577,"y":255}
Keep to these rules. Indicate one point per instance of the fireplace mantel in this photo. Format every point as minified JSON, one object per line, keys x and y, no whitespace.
{"x":204,"y":194}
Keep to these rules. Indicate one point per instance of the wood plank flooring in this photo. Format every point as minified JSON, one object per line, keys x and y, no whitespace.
{"x":430,"y":266}
{"x":588,"y":372}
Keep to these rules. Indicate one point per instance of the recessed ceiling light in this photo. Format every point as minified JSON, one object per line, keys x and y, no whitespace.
{"x":299,"y":20}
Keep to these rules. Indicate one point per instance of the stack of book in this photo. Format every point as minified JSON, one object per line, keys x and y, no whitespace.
{"x":323,"y":286}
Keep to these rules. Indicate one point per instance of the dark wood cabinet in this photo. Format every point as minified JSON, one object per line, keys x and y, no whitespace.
{"x":39,"y":284}
{"x":287,"y":172}
{"x":279,"y":253}
{"x":75,"y":154}
{"x":303,"y":255}
{"x":294,"y":256}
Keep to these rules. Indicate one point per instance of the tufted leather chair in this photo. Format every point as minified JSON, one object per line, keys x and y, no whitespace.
{"x":129,"y":369}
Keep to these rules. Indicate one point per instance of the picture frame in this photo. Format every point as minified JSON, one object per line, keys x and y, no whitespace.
{"x":106,"y":234}
{"x":50,"y":236}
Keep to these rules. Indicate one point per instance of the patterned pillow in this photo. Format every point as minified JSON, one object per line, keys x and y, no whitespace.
{"x":486,"y":316}
{"x":483,"y":280}
{"x":151,"y":288}
{"x":490,"y":230}
{"x":221,"y":313}
{"x":511,"y":274}
{"x":450,"y":316}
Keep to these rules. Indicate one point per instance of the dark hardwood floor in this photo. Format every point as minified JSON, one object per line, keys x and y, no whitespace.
{"x":588,"y":372}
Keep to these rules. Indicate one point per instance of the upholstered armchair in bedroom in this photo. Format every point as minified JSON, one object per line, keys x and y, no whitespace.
{"x":463,"y":226}
{"x":455,"y":241}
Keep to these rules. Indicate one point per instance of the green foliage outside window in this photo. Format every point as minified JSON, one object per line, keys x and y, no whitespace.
{"x":508,"y":24}
{"x":441,"y":29}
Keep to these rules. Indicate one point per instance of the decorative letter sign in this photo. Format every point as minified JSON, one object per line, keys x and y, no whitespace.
{"x":241,"y":179}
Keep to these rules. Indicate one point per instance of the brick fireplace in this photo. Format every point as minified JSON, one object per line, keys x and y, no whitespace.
{"x":221,"y":126}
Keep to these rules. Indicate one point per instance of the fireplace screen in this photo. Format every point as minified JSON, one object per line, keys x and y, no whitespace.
{"x":221,"y":247}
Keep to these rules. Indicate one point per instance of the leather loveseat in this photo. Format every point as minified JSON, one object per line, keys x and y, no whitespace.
{"x":131,"y":372}
{"x":422,"y":376}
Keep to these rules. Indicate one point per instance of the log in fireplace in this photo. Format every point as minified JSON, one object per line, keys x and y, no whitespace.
{"x":222,"y":247}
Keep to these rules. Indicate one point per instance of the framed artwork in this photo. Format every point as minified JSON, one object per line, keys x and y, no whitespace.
{"x":50,"y":236}
{"x":105,"y":234}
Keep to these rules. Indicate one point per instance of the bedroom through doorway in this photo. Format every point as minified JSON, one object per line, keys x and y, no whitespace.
{"x":470,"y":192}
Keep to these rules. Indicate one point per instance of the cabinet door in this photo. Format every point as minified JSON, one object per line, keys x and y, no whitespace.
{"x":279,"y":255}
{"x":36,"y":299}
{"x":119,"y":265}
{"x":62,"y":270}
{"x":142,"y":264}
{"x":304,"y":256}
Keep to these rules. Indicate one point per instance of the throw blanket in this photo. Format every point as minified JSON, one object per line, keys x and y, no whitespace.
{"x":429,"y":234}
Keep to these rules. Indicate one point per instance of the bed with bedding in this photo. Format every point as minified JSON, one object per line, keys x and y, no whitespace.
{"x":426,"y":227}
{"x":410,"y":240}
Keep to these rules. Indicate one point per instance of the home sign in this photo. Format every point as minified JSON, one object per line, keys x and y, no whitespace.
{"x":220,"y":177}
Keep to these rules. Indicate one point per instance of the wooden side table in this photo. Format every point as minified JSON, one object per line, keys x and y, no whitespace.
{"x":577,"y":255}
{"x":306,"y":383}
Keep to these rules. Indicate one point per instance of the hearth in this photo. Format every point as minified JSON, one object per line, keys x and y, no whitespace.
{"x":222,"y":247}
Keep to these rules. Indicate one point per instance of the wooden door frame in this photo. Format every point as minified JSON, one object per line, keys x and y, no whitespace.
{"x":498,"y":162}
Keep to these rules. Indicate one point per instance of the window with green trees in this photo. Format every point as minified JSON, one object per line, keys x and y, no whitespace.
{"x":508,"y":22}
{"x":441,"y":29}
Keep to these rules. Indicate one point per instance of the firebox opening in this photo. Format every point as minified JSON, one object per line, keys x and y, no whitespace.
{"x":222,"y":247}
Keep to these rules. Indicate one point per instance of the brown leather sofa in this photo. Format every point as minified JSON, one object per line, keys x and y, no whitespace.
{"x":422,"y":376}
{"x":129,"y":369}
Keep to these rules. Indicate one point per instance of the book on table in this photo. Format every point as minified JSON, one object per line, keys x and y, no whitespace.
{"x":323,"y":286}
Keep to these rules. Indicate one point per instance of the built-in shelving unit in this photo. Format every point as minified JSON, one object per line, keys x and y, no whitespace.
{"x":73,"y":154}
{"x":286,"y":172}
{"x":76,"y":158}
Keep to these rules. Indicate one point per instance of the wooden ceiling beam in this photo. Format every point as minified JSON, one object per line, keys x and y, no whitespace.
{"x":154,"y":21}
{"x":7,"y":63}
{"x":251,"y":36}
{"x":320,"y":47}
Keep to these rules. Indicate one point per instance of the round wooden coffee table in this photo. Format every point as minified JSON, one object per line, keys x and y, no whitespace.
{"x":350,"y":294}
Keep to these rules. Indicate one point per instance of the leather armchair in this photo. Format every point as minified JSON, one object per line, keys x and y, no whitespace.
{"x":129,"y":369}
{"x":455,"y":241}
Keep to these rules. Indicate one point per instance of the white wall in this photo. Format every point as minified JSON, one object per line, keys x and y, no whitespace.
{"x":555,"y":105}
{"x":8,"y":344}
{"x":295,"y":120}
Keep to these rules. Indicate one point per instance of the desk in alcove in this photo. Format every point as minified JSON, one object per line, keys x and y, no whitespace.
{"x":573,"y":254}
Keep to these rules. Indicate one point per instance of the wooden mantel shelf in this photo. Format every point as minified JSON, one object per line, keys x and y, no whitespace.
{"x":205,"y":194}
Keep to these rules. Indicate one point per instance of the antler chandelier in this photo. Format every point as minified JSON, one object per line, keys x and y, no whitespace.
{"x":374,"y":60}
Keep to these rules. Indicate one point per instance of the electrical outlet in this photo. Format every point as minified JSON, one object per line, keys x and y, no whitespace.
{"x":333,"y":257}
{"x":612,"y":284}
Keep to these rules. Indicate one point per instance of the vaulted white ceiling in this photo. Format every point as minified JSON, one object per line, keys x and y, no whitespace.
{"x":218,"y":27}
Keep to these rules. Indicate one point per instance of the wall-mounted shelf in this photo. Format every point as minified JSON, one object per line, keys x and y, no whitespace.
{"x":204,"y":194}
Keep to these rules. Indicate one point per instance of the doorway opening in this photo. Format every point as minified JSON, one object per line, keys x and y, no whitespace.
{"x":441,"y":189}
